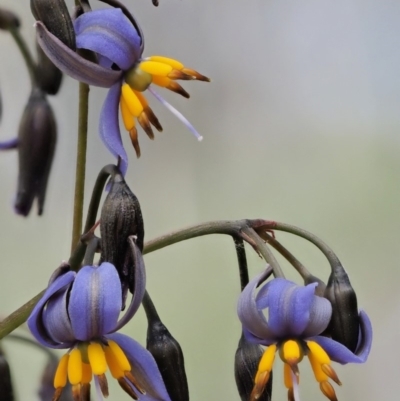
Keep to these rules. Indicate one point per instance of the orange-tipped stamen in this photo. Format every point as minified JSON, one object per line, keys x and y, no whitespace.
{"x":169,"y":61}
{"x":259,"y":386}
{"x":75,"y":367}
{"x":103,"y":384}
{"x":127,"y":117}
{"x":149,"y":112}
{"x":57,"y":394}
{"x":328,"y":370}
{"x":127,"y":388}
{"x":85,"y":392}
{"x":196,"y":75}
{"x":60,"y":377}
{"x":132,"y":101}
{"x":133,"y":134}
{"x":173,"y":86}
{"x":328,"y":390}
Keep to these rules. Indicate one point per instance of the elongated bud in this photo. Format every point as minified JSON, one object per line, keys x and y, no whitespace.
{"x":54,"y":15}
{"x":247,"y":359}
{"x":121,"y":217}
{"x":37,"y":137}
{"x":344,"y":326}
{"x":48,"y":76}
{"x":8,"y":20}
{"x":167,"y":353}
{"x":6,"y":388}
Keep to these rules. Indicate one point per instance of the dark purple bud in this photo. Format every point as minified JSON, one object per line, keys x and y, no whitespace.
{"x":37,"y":137}
{"x":247,"y":358}
{"x":8,"y":20}
{"x":48,"y":76}
{"x":121,"y":218}
{"x":54,"y":15}
{"x":167,"y":353}
{"x":6,"y":388}
{"x":344,"y":326}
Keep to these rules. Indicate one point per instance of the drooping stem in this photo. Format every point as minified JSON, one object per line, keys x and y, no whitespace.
{"x":150,"y":309}
{"x":80,"y":164}
{"x":242,"y":262}
{"x":26,"y":54}
{"x":29,"y":341}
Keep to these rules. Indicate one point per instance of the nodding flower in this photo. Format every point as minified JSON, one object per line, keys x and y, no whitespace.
{"x":79,"y":312}
{"x":289,"y":320}
{"x":117,"y":43}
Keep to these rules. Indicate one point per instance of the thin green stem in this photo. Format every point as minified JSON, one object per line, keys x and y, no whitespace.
{"x":80,"y":164}
{"x":29,"y":341}
{"x":26,"y":54}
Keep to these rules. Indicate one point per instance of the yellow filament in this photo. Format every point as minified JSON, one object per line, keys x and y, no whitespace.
{"x":166,"y":60}
{"x":161,"y":81}
{"x":155,"y":68}
{"x":60,"y":378}
{"x":120,"y":356}
{"x":127,"y":117}
{"x":131,"y":100}
{"x":75,"y":367}
{"x":97,"y":359}
{"x":86,"y":373}
{"x":112,"y":362}
{"x":318,"y":352}
{"x":142,"y":99}
{"x":319,"y":374}
{"x":266,"y":361}
{"x":287,"y":376}
{"x":291,"y":352}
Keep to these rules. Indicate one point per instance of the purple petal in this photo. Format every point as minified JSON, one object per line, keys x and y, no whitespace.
{"x":10,"y":144}
{"x":253,"y":320}
{"x":109,"y":33}
{"x":138,"y":291}
{"x":289,"y":309}
{"x":339,"y":353}
{"x":144,"y":368}
{"x":320,"y":316}
{"x":109,"y":126}
{"x":35,"y":320}
{"x":95,"y":301}
{"x":71,"y":63}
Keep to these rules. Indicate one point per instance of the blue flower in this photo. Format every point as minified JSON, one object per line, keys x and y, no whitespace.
{"x":118,"y":44}
{"x":79,"y":311}
{"x":290,"y":319}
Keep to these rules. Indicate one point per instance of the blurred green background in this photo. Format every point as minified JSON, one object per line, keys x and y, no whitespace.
{"x":300,"y":125}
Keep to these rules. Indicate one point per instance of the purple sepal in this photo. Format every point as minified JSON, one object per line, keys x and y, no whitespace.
{"x":339,"y":353}
{"x":71,"y":63}
{"x":144,"y":368}
{"x":109,"y":126}
{"x":35,"y":320}
{"x":109,"y":33}
{"x":95,"y":301}
{"x":10,"y":144}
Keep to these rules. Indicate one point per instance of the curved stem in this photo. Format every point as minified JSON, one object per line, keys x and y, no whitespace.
{"x":150,"y":309}
{"x":26,"y":54}
{"x":80,"y":163}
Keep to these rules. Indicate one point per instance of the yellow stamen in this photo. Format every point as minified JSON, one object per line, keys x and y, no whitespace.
{"x":60,"y":378}
{"x":287,"y":376}
{"x":155,"y":68}
{"x":173,"y":86}
{"x":133,"y":103}
{"x":127,"y":117}
{"x":75,"y":367}
{"x":112,"y":361}
{"x":120,"y":356}
{"x":166,"y":60}
{"x":86,"y":373}
{"x":328,"y":390}
{"x":266,"y":361}
{"x":149,"y":112}
{"x":291,"y":352}
{"x":97,"y":358}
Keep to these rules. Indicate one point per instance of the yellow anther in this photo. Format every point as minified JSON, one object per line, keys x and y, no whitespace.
{"x":132,"y":102}
{"x":318,"y":352}
{"x":287,"y":376}
{"x":259,"y":386}
{"x":266,"y":361}
{"x":97,"y":358}
{"x":75,"y":367}
{"x":127,"y":118}
{"x":120,"y":356}
{"x":169,"y":61}
{"x":319,"y":374}
{"x":291,"y":352}
{"x":155,"y":68}
{"x":142,"y":99}
{"x":60,"y":378}
{"x":86,"y":373}
{"x":161,"y":81}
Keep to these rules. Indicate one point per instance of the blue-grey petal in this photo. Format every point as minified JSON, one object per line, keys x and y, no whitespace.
{"x":289,"y":312}
{"x":138,"y":291}
{"x":250,"y":337}
{"x":320,"y":316}
{"x":35,"y":320}
{"x":71,"y":63}
{"x":253,"y":320}
{"x":144,"y":368}
{"x":109,"y":126}
{"x":339,"y":353}
{"x":95,"y":301}
{"x":109,"y":33}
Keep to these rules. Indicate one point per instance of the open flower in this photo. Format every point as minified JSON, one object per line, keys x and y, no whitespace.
{"x":79,"y":311}
{"x":289,"y":319}
{"x":118,"y":44}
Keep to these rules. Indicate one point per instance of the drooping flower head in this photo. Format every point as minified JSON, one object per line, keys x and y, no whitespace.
{"x":290,"y":319}
{"x":118,"y":44}
{"x":80,"y":311}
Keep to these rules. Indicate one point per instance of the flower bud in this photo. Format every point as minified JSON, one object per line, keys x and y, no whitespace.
{"x":6,"y":389}
{"x":121,"y":217}
{"x":48,"y":76}
{"x":8,"y":20}
{"x":247,"y":358}
{"x":344,"y":326}
{"x":54,"y":15}
{"x":37,"y":137}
